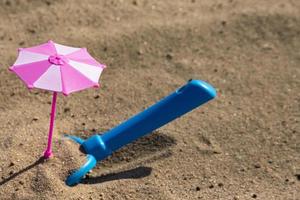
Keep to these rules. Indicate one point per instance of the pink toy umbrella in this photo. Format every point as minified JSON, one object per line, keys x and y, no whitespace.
{"x":57,"y":68}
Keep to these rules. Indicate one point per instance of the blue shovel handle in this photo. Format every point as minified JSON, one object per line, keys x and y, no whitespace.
{"x":183,"y":100}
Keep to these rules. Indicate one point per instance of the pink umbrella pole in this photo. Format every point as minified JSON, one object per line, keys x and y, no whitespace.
{"x":48,"y":151}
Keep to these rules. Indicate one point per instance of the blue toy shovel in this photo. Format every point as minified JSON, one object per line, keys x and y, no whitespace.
{"x":183,"y":100}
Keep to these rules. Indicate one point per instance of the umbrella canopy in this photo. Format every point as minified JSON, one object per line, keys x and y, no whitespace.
{"x":57,"y":68}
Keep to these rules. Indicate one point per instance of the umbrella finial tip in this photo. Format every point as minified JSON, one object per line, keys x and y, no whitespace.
{"x":65,"y":94}
{"x":96,"y":85}
{"x":11,"y":69}
{"x":20,"y":49}
{"x":50,"y":41}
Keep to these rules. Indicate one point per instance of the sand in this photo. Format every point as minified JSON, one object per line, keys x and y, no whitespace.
{"x":243,"y":145}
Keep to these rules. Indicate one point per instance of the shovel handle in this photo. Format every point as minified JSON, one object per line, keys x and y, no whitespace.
{"x":183,"y":100}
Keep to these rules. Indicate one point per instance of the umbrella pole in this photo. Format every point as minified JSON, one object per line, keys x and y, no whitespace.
{"x":48,"y":151}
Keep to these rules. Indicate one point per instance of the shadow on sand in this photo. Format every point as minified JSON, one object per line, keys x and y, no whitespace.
{"x":14,"y":175}
{"x":139,"y":172}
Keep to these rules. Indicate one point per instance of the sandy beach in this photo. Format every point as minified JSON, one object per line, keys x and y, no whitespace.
{"x":245,"y":144}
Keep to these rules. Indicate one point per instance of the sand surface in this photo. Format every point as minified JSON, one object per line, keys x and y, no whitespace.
{"x":243,"y":145}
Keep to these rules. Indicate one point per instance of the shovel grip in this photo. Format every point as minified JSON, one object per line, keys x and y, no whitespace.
{"x":183,"y":100}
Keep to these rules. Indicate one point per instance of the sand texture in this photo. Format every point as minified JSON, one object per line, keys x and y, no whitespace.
{"x":243,"y":145}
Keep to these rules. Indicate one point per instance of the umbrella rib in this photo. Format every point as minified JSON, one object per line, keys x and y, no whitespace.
{"x":21,"y":65}
{"x":49,"y":79}
{"x":24,"y":61}
{"x":25,"y":49}
{"x":65,"y":92}
{"x":16,"y":68}
{"x":103,"y":66}
{"x":96,"y":83}
{"x":52,"y":45}
{"x":86,"y":57}
{"x":62,"y":83}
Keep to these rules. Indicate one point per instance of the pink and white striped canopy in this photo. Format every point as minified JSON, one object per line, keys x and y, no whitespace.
{"x":57,"y":68}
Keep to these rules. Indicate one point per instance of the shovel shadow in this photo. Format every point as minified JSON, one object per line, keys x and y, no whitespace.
{"x":136,"y":173}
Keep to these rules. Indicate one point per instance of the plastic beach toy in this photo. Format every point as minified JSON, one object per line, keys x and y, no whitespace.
{"x":57,"y":68}
{"x":183,"y":100}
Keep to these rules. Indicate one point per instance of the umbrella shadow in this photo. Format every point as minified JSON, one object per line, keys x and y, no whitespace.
{"x":37,"y":162}
{"x":136,"y":173}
